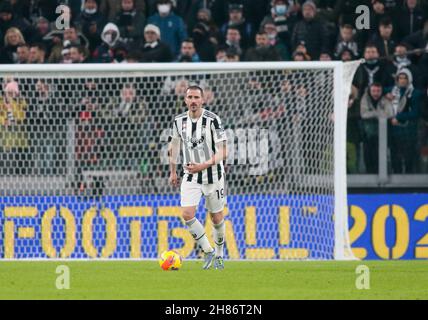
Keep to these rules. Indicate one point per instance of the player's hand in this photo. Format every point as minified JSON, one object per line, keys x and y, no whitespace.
{"x":194,"y":167}
{"x":173,"y":179}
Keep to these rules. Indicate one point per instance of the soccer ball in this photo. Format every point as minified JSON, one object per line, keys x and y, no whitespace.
{"x":170,"y":260}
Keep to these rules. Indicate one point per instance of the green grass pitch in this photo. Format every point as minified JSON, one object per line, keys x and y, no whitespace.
{"x":244,"y":280}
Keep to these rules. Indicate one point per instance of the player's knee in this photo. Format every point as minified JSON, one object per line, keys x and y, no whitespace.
{"x":217,"y":217}
{"x":188,"y":214}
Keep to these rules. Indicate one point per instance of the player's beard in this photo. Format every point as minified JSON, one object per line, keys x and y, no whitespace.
{"x":194,"y":108}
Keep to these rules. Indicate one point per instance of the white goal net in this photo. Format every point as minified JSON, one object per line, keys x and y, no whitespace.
{"x":84,"y":166}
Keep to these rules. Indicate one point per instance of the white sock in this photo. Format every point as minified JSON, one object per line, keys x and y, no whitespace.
{"x":198,"y":233}
{"x":219,"y":231}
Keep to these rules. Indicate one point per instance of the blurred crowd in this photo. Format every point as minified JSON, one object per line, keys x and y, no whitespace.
{"x":392,"y":83}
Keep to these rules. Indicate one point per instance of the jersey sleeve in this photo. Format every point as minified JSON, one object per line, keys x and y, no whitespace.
{"x":218,"y":131}
{"x":174,"y":132}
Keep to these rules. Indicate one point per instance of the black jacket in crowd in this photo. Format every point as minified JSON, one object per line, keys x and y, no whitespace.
{"x":158,"y":53}
{"x":408,"y":22}
{"x":314,"y":35}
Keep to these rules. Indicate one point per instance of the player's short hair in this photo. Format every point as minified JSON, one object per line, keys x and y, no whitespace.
{"x":195,"y":87}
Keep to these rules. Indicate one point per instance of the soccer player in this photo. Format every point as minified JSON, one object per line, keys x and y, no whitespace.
{"x":203,"y":138}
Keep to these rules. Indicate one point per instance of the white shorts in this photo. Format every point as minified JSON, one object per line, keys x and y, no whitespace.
{"x":215,"y":195}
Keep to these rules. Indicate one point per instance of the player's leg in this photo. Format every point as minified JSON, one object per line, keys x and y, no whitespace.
{"x":196,"y":228}
{"x":215,"y":201}
{"x":190,"y":196}
{"x":219,"y":234}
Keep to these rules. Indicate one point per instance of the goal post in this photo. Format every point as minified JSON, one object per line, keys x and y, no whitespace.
{"x":343,"y":75}
{"x":84,"y":165}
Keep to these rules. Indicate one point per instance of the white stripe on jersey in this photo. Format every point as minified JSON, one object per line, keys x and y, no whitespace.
{"x":198,"y":140}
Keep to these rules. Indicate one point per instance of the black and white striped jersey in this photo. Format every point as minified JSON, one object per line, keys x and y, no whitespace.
{"x":198,"y":144}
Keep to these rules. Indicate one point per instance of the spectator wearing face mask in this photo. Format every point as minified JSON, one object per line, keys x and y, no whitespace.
{"x":401,"y":60}
{"x":276,"y":42}
{"x":172,"y":27}
{"x":283,"y":19}
{"x":130,"y":22}
{"x":372,"y":70}
{"x":105,"y":52}
{"x":263,"y":51}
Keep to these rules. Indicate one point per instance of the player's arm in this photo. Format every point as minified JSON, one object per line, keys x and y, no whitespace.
{"x":173,"y":154}
{"x":218,"y":157}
